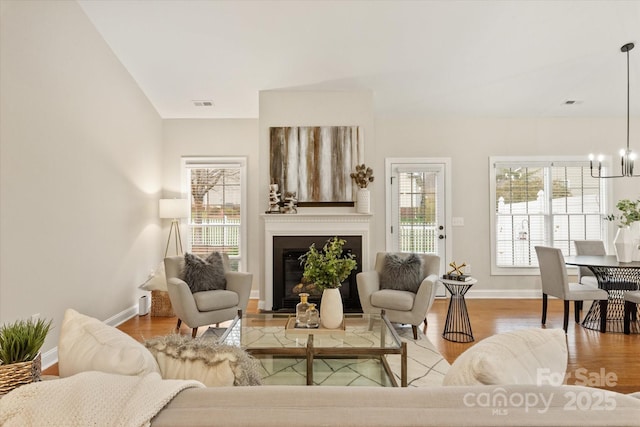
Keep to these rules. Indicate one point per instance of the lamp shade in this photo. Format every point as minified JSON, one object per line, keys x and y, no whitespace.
{"x":174,"y":208}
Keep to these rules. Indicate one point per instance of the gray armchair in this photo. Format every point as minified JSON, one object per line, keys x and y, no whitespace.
{"x":207,"y":307}
{"x":400,"y":306}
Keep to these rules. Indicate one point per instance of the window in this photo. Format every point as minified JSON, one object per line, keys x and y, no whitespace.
{"x":215,"y":187}
{"x":542,"y":202}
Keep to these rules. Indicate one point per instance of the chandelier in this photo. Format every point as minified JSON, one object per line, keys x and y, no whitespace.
{"x":627,"y":156}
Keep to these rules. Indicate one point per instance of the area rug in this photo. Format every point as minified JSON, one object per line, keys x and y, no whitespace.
{"x":425,"y":366}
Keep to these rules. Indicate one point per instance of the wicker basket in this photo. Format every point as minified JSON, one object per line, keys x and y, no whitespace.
{"x":17,"y":374}
{"x":161,"y":304}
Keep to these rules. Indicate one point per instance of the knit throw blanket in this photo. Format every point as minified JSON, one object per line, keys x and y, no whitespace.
{"x":90,"y":398}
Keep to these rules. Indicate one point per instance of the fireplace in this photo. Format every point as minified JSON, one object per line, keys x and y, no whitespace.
{"x":287,"y":271}
{"x":321,"y":227}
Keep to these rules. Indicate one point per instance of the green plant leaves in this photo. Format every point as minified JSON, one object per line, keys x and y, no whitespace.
{"x":630,"y":212}
{"x":21,"y":341}
{"x":330,"y":267}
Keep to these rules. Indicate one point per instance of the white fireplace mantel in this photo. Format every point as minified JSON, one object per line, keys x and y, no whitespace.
{"x":307,"y":224}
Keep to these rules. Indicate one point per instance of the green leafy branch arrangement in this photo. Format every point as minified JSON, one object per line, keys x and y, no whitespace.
{"x":329,"y":267}
{"x":630,"y":212}
{"x":21,"y":341}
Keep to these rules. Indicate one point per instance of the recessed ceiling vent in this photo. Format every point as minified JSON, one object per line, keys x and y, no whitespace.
{"x":203,"y":103}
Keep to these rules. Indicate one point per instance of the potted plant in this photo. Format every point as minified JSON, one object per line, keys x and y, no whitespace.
{"x":627,"y":240}
{"x":20,"y":360}
{"x":362,"y":177}
{"x":327,"y":269}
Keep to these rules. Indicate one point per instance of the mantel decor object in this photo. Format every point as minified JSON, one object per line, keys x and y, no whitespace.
{"x":363,"y":201}
{"x":274,"y":199}
{"x":362,"y":177}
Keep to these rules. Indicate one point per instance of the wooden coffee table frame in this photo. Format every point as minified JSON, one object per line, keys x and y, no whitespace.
{"x":311,"y":352}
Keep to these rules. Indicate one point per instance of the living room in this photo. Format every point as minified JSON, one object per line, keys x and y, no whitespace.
{"x":86,"y":155}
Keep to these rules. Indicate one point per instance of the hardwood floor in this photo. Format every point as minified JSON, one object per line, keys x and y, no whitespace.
{"x":607,"y":360}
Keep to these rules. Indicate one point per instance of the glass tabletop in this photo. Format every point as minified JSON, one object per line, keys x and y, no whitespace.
{"x":600,"y":261}
{"x":269,"y":330}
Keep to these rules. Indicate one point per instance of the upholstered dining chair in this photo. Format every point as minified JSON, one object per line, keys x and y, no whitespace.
{"x":555,"y":282}
{"x":206,"y":307}
{"x":631,"y":300}
{"x":400,"y":305}
{"x":588,"y":247}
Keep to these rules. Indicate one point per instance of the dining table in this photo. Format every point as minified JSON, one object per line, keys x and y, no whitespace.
{"x":616,"y":278}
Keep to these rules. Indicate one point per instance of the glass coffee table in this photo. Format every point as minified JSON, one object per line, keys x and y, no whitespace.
{"x":361,"y":346}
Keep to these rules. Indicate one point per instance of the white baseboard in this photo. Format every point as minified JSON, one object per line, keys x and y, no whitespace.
{"x":50,"y":358}
{"x":123,"y":316}
{"x":504,"y":294}
{"x":481,"y":294}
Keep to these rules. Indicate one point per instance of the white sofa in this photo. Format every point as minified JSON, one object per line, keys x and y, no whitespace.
{"x":513,"y":405}
{"x":475,"y":394}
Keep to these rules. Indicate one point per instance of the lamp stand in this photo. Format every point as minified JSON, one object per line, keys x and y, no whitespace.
{"x":175,"y":225}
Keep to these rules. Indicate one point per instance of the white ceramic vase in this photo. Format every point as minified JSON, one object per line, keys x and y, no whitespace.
{"x":331,"y":312}
{"x":363,"y":201}
{"x":635,"y":239}
{"x":623,"y":244}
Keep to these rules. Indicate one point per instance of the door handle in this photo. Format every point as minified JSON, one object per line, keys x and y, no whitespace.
{"x":441,"y":236}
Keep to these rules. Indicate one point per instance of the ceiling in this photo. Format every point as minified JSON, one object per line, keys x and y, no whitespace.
{"x":419,"y":58}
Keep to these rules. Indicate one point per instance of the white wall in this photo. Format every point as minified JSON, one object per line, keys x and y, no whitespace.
{"x":215,"y":138}
{"x":470,"y":143}
{"x":80,"y":169}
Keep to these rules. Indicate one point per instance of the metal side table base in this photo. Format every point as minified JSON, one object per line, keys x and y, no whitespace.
{"x":457,"y":327}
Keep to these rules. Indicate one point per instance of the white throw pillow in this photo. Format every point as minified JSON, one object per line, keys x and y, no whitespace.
{"x":157,"y":282}
{"x":529,"y":356}
{"x":87,"y":344}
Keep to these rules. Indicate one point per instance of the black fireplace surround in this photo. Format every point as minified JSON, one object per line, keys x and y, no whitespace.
{"x":287,"y":271}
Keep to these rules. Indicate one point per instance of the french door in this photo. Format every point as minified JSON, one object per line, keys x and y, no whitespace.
{"x":417,"y":206}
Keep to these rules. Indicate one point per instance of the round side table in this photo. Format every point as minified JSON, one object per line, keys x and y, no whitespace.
{"x":457,"y":327}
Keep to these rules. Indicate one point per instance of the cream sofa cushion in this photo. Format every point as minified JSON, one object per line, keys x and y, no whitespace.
{"x":529,"y":356}
{"x":87,"y":344}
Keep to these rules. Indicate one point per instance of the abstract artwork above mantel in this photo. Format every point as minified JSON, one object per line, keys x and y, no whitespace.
{"x":315,"y":162}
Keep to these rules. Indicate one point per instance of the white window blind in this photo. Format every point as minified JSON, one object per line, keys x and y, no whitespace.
{"x":549,"y":203}
{"x":417,"y":211}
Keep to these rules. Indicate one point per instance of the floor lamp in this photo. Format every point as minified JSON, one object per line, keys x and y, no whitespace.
{"x":174,"y":209}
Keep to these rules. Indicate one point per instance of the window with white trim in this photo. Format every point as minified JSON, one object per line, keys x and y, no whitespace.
{"x":538,"y":202}
{"x":216,"y":190}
